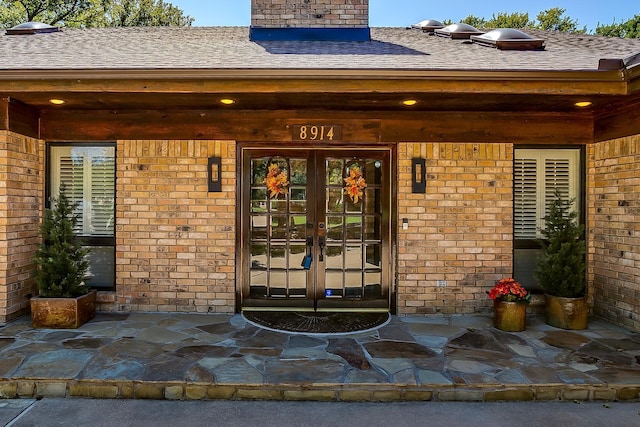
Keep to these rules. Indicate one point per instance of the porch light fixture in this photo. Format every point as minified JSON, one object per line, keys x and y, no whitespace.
{"x":418,"y":175}
{"x":409,"y":102}
{"x":215,"y":174}
{"x":583,"y":104}
{"x":56,"y":101}
{"x":227,"y":101}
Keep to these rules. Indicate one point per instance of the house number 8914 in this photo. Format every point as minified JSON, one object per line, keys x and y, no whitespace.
{"x":317,"y":133}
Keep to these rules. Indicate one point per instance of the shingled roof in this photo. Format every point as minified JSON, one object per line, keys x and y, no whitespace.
{"x":150,"y":48}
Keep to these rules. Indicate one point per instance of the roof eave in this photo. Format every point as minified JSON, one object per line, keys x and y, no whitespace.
{"x":608,"y":81}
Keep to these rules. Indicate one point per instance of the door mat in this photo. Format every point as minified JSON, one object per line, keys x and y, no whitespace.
{"x":316,"y":323}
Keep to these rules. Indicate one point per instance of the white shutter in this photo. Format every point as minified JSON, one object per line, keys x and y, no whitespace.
{"x":537,"y":174}
{"x":557,"y":176}
{"x":71,"y":178}
{"x":101,"y":193}
{"x":525,"y":198}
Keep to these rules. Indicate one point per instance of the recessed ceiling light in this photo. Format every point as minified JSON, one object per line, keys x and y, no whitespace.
{"x":409,"y":102}
{"x":583,"y":104}
{"x":228,"y":101}
{"x":56,"y":101}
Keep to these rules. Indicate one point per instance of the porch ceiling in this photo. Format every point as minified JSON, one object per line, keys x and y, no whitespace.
{"x":318,"y":101}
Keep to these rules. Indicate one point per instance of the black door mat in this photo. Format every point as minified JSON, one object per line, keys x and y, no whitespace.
{"x":316,"y":323}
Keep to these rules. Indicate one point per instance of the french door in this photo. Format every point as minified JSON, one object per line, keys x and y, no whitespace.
{"x":315,"y":232}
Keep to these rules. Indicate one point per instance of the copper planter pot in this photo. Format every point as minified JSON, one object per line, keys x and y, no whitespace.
{"x":566,"y":313}
{"x":509,"y":316}
{"x":63,"y":313}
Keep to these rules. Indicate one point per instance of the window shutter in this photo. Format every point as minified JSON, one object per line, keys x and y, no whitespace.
{"x":525,"y":198}
{"x":102,"y":196}
{"x":557,"y":176}
{"x":72,"y":179}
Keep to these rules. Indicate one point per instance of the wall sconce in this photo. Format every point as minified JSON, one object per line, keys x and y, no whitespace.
{"x":215,"y":174}
{"x":418,"y":176}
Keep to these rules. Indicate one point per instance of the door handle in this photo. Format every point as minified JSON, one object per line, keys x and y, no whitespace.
{"x":321,"y":245}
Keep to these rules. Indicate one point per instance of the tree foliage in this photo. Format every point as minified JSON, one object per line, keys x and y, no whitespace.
{"x":554,"y":19}
{"x":560,"y":269}
{"x":628,"y":29}
{"x":93,"y":13}
{"x":61,"y":259}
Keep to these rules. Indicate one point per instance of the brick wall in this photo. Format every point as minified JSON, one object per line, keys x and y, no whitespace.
{"x":20,"y":201}
{"x":460,"y":231}
{"x":310,"y":13}
{"x":175,"y":241}
{"x":614,"y":229}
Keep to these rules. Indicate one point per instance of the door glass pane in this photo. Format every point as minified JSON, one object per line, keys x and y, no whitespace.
{"x":353,"y":258}
{"x":374,"y":256}
{"x":259,"y":256}
{"x":372,"y":228}
{"x":354,"y":227}
{"x":335,"y":229}
{"x":334,"y":172}
{"x":353,"y":279}
{"x":279,"y":227}
{"x":298,"y":283}
{"x":259,"y":227}
{"x":334,"y":200}
{"x":333,"y":257}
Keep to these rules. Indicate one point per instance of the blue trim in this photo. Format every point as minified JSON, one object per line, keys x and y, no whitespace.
{"x":311,"y":34}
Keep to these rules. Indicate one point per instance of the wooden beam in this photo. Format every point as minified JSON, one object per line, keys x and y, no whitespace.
{"x":618,"y":125}
{"x":24,"y":119}
{"x":18,"y":117}
{"x":533,"y":128}
{"x":4,"y":113}
{"x":278,"y":126}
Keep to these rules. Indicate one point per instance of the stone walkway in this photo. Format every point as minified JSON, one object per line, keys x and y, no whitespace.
{"x":184,"y":356}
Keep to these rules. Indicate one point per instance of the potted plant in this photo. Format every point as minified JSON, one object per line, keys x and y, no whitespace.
{"x":561,"y":268}
{"x":510,"y":301}
{"x":64,"y":300}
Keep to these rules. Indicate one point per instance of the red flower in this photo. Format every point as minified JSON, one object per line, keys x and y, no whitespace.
{"x":509,"y":290}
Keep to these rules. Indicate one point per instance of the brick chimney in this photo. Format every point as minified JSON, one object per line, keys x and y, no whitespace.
{"x":335,"y":20}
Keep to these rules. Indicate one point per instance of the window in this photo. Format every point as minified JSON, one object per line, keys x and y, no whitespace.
{"x":87,"y":173}
{"x":537,"y":175}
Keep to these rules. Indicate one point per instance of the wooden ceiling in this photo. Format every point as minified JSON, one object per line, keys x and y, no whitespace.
{"x":322,"y":101}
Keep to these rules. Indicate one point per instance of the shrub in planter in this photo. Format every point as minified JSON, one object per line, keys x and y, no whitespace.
{"x":62,"y":267}
{"x":561,"y":267}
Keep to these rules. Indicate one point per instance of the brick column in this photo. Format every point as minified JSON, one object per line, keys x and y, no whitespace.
{"x":21,"y":191}
{"x":614,"y":229}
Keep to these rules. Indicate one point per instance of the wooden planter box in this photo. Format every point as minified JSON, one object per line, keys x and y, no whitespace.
{"x":63,"y":313}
